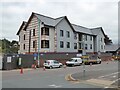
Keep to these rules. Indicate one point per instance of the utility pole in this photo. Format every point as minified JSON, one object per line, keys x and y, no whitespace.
{"x":38,"y":42}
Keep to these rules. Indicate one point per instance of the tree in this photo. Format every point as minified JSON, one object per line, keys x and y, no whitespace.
{"x":8,"y":46}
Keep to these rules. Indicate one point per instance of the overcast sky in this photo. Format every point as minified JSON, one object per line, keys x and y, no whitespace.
{"x":87,"y":13}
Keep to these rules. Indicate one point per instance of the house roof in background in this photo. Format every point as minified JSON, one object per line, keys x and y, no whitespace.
{"x":82,"y":29}
{"x":112,"y":47}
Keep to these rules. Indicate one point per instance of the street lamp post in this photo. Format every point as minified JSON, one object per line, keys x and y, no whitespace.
{"x":84,"y":53}
{"x":38,"y":42}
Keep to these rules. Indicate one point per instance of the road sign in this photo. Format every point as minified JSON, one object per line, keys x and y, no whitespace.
{"x":35,"y":54}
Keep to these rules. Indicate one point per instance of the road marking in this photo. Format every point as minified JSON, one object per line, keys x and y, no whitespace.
{"x":114,"y":76}
{"x":116,"y":80}
{"x":55,"y":86}
{"x":99,"y":81}
{"x":108,"y":75}
{"x":106,"y":87}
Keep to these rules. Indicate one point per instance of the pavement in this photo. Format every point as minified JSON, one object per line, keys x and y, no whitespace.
{"x":106,"y":75}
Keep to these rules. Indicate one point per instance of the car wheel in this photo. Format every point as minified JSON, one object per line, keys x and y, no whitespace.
{"x":100,"y":62}
{"x":51,"y":67}
{"x":73,"y":65}
{"x":60,"y":66}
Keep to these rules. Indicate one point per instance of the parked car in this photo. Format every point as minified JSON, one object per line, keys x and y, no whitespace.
{"x":74,"y":62}
{"x":52,"y":64}
{"x":94,"y":59}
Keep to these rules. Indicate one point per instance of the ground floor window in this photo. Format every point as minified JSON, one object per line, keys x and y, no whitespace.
{"x":44,"y":43}
{"x":75,"y":45}
{"x":68,"y":44}
{"x":85,"y":46}
{"x":61,"y":44}
{"x":24,"y":46}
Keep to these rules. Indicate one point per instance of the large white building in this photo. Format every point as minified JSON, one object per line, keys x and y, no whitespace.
{"x":57,"y":35}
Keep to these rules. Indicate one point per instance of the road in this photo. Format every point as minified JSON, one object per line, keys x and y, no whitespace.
{"x":56,"y":78}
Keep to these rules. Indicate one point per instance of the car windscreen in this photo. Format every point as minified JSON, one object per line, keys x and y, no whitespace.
{"x":72,"y":60}
{"x":46,"y":61}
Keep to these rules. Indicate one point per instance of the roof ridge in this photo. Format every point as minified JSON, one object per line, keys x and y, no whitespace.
{"x":60,"y":17}
{"x":95,"y":28}
{"x":80,"y":26}
{"x":44,"y":16}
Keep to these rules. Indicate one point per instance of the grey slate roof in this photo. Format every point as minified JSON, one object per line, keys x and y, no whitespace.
{"x":111,"y":47}
{"x":82,"y":29}
{"x":48,"y":20}
{"x":54,"y":21}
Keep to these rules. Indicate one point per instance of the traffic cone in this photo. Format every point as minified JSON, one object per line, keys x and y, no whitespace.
{"x":21,"y":71}
{"x":44,"y":69}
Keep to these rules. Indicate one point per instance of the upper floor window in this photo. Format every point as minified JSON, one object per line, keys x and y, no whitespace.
{"x":44,"y":43}
{"x":86,"y":46}
{"x":45,"y":31}
{"x":19,"y":38}
{"x":34,"y":44}
{"x":101,"y":39}
{"x":61,"y":33}
{"x":61,"y":44}
{"x":33,"y":32}
{"x":24,"y":36}
{"x":68,"y":44}
{"x":24,"y":46}
{"x":75,"y":45}
{"x":75,"y":35}
{"x":68,"y":34}
{"x":85,"y":37}
{"x":91,"y":38}
{"x":101,"y":46}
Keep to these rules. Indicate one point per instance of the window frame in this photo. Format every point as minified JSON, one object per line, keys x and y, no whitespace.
{"x":44,"y":44}
{"x":45,"y":31}
{"x":61,"y":44}
{"x":75,"y":45}
{"x":33,"y":32}
{"x":68,"y":44}
{"x":61,"y":33}
{"x":68,"y":34}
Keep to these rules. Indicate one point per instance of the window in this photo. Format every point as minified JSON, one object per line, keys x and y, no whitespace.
{"x":68,"y":44}
{"x":75,"y":45}
{"x":61,"y":44}
{"x":61,"y":33}
{"x":75,"y":35}
{"x":33,"y":32}
{"x":45,"y":44}
{"x":80,"y":46}
{"x":68,"y":34}
{"x":34,"y":44}
{"x":24,"y":46}
{"x":45,"y":31}
{"x":86,"y":46}
{"x":91,"y":38}
{"x":90,"y":46}
{"x":101,"y":46}
{"x":86,"y":37}
{"x":24,"y":36}
{"x":19,"y":38}
{"x":101,"y":39}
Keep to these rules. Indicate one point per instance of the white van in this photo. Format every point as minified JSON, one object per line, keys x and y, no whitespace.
{"x":74,"y":62}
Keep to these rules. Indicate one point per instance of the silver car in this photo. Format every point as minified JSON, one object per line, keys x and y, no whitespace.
{"x":52,"y":64}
